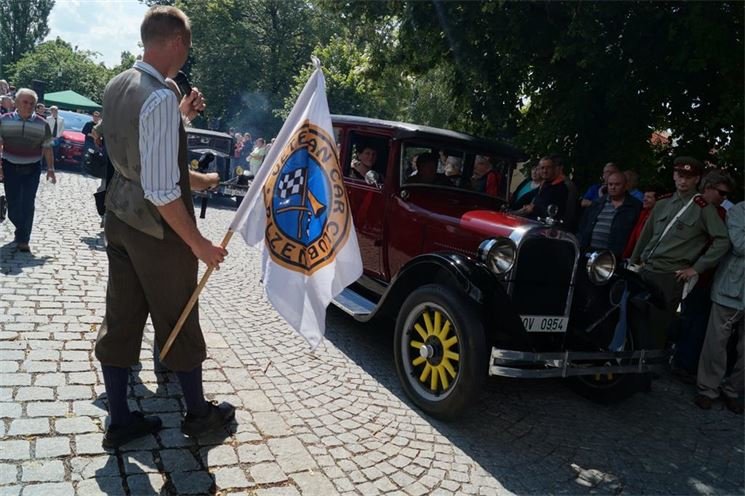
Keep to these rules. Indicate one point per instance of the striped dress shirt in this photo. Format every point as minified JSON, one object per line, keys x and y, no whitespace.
{"x":159,"y":141}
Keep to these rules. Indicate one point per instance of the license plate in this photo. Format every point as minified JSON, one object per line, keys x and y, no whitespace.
{"x":230,"y":191}
{"x":541,"y":323}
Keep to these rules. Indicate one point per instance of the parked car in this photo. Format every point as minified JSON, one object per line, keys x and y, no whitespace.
{"x":71,"y":146}
{"x":474,"y":290}
{"x":212,"y":151}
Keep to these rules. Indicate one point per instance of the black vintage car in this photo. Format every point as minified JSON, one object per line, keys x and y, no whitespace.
{"x":476,"y":291}
{"x":212,"y":151}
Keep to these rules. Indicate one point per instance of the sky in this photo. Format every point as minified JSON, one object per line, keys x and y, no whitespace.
{"x":108,"y":27}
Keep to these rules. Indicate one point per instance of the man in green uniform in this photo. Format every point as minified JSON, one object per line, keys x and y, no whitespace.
{"x":672,"y":249}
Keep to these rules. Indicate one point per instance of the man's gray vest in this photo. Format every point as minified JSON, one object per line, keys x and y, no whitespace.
{"x":125,"y":198}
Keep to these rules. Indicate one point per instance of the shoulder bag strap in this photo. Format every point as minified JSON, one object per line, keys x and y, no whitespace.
{"x":670,"y":225}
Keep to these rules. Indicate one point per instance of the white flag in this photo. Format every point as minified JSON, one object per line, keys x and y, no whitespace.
{"x":297,"y":212}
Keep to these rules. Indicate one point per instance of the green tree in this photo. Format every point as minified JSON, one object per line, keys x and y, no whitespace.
{"x":350,"y":87}
{"x":23,"y":23}
{"x":589,"y":80}
{"x":126,"y":61}
{"x":245,"y":53}
{"x":63,"y":68}
{"x":358,"y":87}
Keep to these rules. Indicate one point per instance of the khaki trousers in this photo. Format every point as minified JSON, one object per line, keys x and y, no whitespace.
{"x":148,"y":276}
{"x":723,"y":321}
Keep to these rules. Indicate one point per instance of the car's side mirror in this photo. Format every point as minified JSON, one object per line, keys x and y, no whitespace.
{"x":373,"y":178}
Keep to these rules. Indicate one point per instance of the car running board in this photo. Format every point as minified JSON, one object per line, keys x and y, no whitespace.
{"x":354,"y":304}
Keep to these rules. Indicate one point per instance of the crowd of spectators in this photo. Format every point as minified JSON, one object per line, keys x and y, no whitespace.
{"x":687,"y":244}
{"x":247,"y":151}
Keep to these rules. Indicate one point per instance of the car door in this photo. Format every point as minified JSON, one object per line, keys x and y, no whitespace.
{"x":367,"y":201}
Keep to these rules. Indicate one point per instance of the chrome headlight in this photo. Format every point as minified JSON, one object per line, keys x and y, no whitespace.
{"x":498,"y":254}
{"x":601,"y":265}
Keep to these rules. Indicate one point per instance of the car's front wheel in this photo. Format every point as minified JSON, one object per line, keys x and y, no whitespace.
{"x":440,"y":350}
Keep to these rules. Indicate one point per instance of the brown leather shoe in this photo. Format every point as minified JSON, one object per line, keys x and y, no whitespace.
{"x":734,"y":405}
{"x":703,"y":402}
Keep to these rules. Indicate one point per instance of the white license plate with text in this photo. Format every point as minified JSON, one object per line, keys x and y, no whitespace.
{"x":234,"y":191}
{"x":543,"y":323}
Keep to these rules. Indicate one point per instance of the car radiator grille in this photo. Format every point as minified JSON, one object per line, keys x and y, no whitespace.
{"x":542,"y":276}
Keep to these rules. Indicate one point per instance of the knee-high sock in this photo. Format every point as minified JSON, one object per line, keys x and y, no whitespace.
{"x":191,"y":385}
{"x":115,"y":380}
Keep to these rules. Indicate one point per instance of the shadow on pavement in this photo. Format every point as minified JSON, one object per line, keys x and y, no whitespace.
{"x":12,"y":261}
{"x":535,"y":436}
{"x":94,"y":242}
{"x":167,"y":463}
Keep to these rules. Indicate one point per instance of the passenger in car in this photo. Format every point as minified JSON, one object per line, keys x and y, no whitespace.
{"x":426,"y":166}
{"x":364,"y":162}
{"x":410,"y":169}
{"x":484,"y":178}
{"x":453,"y":169}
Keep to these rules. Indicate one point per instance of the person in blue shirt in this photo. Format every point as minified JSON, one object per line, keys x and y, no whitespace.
{"x":632,"y":184}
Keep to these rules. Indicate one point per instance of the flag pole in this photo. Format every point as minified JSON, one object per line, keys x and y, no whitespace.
{"x":190,"y":304}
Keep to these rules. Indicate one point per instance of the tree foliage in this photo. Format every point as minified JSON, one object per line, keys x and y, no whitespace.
{"x":589,"y":80}
{"x":64,"y":68}
{"x":246,"y":52}
{"x":357,"y":86}
{"x":23,"y":23}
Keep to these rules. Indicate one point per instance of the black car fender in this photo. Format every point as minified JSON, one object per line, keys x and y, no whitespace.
{"x":466,"y":275}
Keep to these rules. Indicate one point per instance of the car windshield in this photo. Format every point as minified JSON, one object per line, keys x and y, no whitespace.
{"x":74,"y":121}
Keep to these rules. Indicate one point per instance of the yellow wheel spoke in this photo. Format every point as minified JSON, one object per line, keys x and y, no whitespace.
{"x":443,"y":377}
{"x":452,"y":356}
{"x":418,"y":361}
{"x":449,"y":367}
{"x":416,"y":344}
{"x":428,"y":323}
{"x":450,"y":342}
{"x":438,"y":323}
{"x":425,"y":373}
{"x":445,"y":330}
{"x":420,"y":331}
{"x":433,"y":380}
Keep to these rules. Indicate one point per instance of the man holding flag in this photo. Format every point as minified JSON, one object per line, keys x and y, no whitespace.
{"x":297,"y":213}
{"x":153,"y":240}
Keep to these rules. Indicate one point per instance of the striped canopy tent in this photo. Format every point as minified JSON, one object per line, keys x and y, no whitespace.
{"x":69,"y":100}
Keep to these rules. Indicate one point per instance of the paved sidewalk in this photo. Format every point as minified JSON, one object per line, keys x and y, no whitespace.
{"x":334,"y":422}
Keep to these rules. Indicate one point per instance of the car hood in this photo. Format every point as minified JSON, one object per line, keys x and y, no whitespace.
{"x":73,"y":136}
{"x":491,"y":223}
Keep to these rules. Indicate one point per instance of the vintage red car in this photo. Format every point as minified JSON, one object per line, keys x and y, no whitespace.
{"x":474,"y":290}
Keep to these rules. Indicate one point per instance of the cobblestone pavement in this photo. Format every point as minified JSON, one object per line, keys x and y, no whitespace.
{"x":336,"y":422}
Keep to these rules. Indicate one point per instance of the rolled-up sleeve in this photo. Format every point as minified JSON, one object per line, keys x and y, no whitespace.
{"x":159,"y":141}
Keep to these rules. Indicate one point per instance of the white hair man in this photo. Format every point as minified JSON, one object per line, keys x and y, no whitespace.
{"x":24,"y":138}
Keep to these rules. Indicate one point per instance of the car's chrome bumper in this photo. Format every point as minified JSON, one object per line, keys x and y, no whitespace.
{"x":509,"y":363}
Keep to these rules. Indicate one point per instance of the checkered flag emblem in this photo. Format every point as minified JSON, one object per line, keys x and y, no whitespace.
{"x":292,"y":183}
